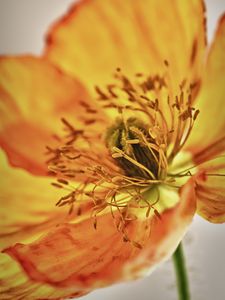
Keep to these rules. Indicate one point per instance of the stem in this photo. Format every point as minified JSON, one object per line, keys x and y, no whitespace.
{"x":181,"y":273}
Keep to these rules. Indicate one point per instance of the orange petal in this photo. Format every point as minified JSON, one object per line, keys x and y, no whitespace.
{"x":77,"y":255}
{"x":201,"y":155}
{"x":16,"y":285}
{"x":137,"y":36}
{"x":27,"y":205}
{"x":210,"y":190}
{"x":34,"y":96}
{"x":209,"y":130}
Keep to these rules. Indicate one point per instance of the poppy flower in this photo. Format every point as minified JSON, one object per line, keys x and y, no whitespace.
{"x":142,"y":149}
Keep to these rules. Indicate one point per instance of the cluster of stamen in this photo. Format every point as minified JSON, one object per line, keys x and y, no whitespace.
{"x":151,"y":127}
{"x":170,"y":118}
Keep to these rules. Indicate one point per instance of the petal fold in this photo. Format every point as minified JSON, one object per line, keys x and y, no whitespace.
{"x":210,"y":190}
{"x":16,"y":285}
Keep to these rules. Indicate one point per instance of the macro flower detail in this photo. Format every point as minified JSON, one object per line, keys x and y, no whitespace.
{"x":115,"y":191}
{"x":139,"y":148}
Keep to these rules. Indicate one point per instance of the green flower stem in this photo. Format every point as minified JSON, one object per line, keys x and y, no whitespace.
{"x":181,"y":273}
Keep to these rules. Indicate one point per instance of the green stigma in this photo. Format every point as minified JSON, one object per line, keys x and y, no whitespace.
{"x":133,"y":148}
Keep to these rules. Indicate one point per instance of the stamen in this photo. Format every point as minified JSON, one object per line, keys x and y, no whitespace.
{"x":121,"y":154}
{"x":151,"y":127}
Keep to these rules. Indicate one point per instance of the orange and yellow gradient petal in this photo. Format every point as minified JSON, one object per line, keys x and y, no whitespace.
{"x":210,"y":126}
{"x":210,"y":190}
{"x":16,"y":285}
{"x":28,"y":205}
{"x":34,"y":97}
{"x":207,"y":141}
{"x":132,"y":35}
{"x":57,"y":258}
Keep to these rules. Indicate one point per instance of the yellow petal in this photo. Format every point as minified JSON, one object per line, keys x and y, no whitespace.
{"x":96,"y":37}
{"x":207,"y":141}
{"x":34,"y":95}
{"x":80,"y":256}
{"x":27,"y":205}
{"x":210,"y":191}
{"x":209,"y":129}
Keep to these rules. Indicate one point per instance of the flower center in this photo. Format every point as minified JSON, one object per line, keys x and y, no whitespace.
{"x":134,"y":149}
{"x":169,"y":115}
{"x":150,"y":125}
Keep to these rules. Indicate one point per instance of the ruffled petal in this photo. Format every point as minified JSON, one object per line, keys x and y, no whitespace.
{"x":28,"y":205}
{"x":210,"y":190}
{"x":137,"y":36}
{"x":34,"y":97}
{"x":16,"y":285}
{"x":80,"y":256}
{"x":209,"y":129}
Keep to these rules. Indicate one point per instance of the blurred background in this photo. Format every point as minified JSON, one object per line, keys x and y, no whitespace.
{"x":23,"y":25}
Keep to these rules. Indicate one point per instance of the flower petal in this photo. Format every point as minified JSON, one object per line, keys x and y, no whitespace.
{"x":208,"y":134}
{"x":201,"y":155}
{"x":16,"y":285}
{"x":137,"y":36}
{"x":27,"y":205}
{"x":207,"y":141}
{"x":210,"y":190}
{"x":34,"y":97}
{"x":77,"y":255}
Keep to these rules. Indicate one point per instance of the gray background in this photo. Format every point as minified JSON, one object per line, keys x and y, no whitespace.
{"x":23,"y":24}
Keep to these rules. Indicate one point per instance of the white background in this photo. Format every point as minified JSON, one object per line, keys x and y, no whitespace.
{"x":23,"y":24}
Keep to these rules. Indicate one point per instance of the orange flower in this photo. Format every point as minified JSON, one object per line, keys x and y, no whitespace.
{"x":138,"y":160}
